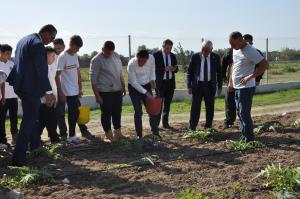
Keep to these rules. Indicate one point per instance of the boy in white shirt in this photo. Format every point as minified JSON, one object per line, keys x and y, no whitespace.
{"x":68,"y":81}
{"x":47,"y":115}
{"x":9,"y":100}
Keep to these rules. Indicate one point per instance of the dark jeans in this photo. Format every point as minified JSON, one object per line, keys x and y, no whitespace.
{"x":29,"y":129}
{"x":230,"y":108}
{"x":243,"y":100}
{"x":60,"y":108}
{"x":137,"y":99}
{"x":111,"y":110}
{"x":73,"y":104}
{"x":166,"y":92}
{"x":10,"y":105}
{"x":48,"y":119}
{"x":206,"y":91}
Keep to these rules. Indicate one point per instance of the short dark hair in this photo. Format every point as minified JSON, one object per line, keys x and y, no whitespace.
{"x":58,"y":41}
{"x":49,"y":49}
{"x":76,"y":40}
{"x":5,"y":48}
{"x":48,"y":28}
{"x":109,"y":45}
{"x":168,"y":42}
{"x":143,"y":54}
{"x":248,"y":37}
{"x":236,"y":35}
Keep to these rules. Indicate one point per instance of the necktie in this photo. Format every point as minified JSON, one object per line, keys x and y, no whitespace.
{"x":205,"y":70}
{"x":167,"y":64}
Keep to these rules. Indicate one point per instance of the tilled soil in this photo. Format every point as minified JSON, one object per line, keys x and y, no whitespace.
{"x":98,"y":169}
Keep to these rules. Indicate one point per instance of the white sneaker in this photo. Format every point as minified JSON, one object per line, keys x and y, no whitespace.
{"x":3,"y":146}
{"x":74,"y":140}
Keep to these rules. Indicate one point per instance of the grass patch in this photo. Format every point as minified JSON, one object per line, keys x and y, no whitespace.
{"x":191,"y":194}
{"x":26,"y":177}
{"x":241,"y":145}
{"x":205,"y":135}
{"x":283,"y":181}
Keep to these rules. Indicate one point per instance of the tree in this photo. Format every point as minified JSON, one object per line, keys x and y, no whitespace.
{"x":183,"y":56}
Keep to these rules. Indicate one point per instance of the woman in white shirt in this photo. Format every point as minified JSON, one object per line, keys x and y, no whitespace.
{"x":141,"y":81}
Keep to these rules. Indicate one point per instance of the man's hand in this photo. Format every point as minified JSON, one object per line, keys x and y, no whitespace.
{"x":149,"y":95}
{"x":123,"y":92}
{"x":190,"y":91}
{"x":50,"y":100}
{"x":246,"y":79}
{"x":80,"y":94}
{"x":99,"y":100}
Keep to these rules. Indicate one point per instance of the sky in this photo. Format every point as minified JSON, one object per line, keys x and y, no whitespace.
{"x":150,"y":22}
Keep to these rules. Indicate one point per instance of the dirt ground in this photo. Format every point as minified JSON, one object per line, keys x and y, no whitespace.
{"x":95,"y":170}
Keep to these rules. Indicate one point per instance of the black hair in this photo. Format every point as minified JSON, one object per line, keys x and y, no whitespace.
{"x":109,"y":45}
{"x":76,"y":40}
{"x":143,"y":54}
{"x":5,"y":48}
{"x":236,"y":35}
{"x":48,"y":28}
{"x":168,"y":42}
{"x":49,"y":49}
{"x":248,"y":37}
{"x":58,"y":41}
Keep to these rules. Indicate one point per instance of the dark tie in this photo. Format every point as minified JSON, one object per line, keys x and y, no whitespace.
{"x":167,"y":64}
{"x":205,"y":70}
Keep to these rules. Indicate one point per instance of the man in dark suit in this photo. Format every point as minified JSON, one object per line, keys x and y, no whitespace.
{"x":29,"y":78}
{"x":204,"y":78}
{"x":165,"y":69}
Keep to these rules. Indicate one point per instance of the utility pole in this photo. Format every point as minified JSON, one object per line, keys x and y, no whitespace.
{"x":267,"y":52}
{"x":129,"y":45}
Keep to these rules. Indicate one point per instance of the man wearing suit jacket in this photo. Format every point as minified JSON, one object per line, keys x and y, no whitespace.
{"x":203,"y":78}
{"x":165,"y":69}
{"x":29,"y":78}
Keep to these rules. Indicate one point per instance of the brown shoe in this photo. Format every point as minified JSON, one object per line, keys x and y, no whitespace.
{"x":118,"y":135}
{"x":109,"y":135}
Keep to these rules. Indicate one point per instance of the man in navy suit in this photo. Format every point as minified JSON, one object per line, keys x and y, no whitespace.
{"x":165,"y":69}
{"x":204,"y":78}
{"x":29,"y":78}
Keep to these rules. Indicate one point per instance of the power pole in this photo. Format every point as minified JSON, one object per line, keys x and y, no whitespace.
{"x":267,"y":52}
{"x":129,"y":45}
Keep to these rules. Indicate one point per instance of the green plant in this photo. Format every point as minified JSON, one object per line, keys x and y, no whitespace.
{"x":284,"y":181}
{"x":51,"y":151}
{"x":242,"y":145}
{"x":191,"y":194}
{"x":296,"y":123}
{"x":26,"y":177}
{"x":205,"y":135}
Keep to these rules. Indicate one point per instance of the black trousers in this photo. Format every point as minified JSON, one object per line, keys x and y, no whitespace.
{"x":230,"y":108}
{"x":10,"y":105}
{"x":73,"y":104}
{"x":166,"y":92}
{"x":137,"y":99}
{"x":48,"y":119}
{"x":60,"y":108}
{"x":111,"y":110}
{"x":202,"y":91}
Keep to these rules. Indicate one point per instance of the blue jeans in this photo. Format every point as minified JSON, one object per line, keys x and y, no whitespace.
{"x":243,"y":101}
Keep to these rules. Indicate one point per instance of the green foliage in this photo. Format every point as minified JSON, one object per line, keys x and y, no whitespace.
{"x":191,"y":194}
{"x":51,"y":151}
{"x":183,"y":56}
{"x":270,"y":126}
{"x":296,"y":123}
{"x":242,"y":145}
{"x":284,"y":181}
{"x":26,"y":177}
{"x":205,"y":135}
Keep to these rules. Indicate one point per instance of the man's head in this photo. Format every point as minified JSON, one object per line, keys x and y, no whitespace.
{"x":236,"y":40}
{"x":108,"y":49}
{"x":207,"y":47}
{"x":5,"y":52}
{"x":142,"y":57}
{"x":167,"y":46}
{"x":50,"y":55}
{"x":75,"y":44}
{"x":59,"y":45}
{"x":48,"y":33}
{"x":248,"y":38}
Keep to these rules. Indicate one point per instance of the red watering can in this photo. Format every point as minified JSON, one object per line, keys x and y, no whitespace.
{"x":153,"y":105}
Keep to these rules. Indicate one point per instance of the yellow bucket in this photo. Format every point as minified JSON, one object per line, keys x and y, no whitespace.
{"x":84,"y":115}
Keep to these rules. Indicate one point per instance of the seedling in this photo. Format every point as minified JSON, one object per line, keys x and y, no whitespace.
{"x":296,"y":123}
{"x":241,"y":145}
{"x":51,"y":151}
{"x":205,"y":135}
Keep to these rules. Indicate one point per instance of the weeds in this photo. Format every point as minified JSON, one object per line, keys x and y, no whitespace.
{"x":51,"y":151}
{"x":205,"y":135}
{"x":191,"y":194}
{"x":241,"y":145}
{"x":267,"y":127}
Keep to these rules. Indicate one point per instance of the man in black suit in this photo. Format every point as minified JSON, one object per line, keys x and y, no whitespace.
{"x":204,"y":78}
{"x":165,"y":69}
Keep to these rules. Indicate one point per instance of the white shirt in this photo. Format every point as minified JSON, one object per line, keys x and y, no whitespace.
{"x":169,"y":64}
{"x":68,"y":65}
{"x":51,"y":75}
{"x":244,"y":61}
{"x":141,"y":75}
{"x":201,"y":77}
{"x":9,"y":90}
